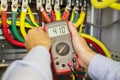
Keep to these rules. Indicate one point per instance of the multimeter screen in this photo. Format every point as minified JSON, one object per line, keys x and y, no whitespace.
{"x":57,"y":31}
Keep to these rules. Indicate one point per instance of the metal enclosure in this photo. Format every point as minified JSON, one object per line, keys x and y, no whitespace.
{"x":109,"y":33}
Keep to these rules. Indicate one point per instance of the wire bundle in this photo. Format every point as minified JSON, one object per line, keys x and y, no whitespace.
{"x":25,"y":22}
{"x":5,"y":30}
{"x":106,"y":3}
{"x":55,"y":15}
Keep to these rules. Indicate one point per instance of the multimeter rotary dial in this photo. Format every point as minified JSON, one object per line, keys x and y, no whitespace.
{"x":62,"y":49}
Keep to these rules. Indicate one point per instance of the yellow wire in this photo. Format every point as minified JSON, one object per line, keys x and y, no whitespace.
{"x":26,"y":25}
{"x":97,"y":42}
{"x":105,"y":4}
{"x":57,"y":15}
{"x":81,"y":27}
{"x":0,"y":9}
{"x":72,"y":16}
{"x":81,"y":19}
{"x":22,"y":23}
{"x":73,"y":77}
{"x":18,"y":24}
{"x":115,"y":6}
{"x":102,"y":4}
{"x":32,"y":17}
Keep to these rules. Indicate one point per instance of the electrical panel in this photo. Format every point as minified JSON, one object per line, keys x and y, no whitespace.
{"x":18,"y":16}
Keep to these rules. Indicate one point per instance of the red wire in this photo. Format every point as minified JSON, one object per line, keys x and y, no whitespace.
{"x":65,"y":15}
{"x":5,"y":31}
{"x":80,"y":76}
{"x":45,"y":16}
{"x":52,"y":15}
{"x":96,"y":46}
{"x":20,"y":44}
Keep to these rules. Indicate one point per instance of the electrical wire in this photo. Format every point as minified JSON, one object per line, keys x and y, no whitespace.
{"x":32,"y":17}
{"x":0,"y":10}
{"x":81,"y":19}
{"x":107,"y":53}
{"x":73,"y":77}
{"x":97,"y":47}
{"x":40,"y":19}
{"x":22,"y":23}
{"x":45,"y":16}
{"x":85,"y":76}
{"x":5,"y":31}
{"x":52,"y":15}
{"x":18,"y":24}
{"x":105,"y":3}
{"x":81,"y":28}
{"x":76,"y":15}
{"x":93,"y":39}
{"x":65,"y":15}
{"x":106,"y":26}
{"x":102,"y":4}
{"x":72,"y":16}
{"x":49,"y":14}
{"x":57,"y":15}
{"x":115,"y":6}
{"x":14,"y":29}
{"x":73,"y":71}
{"x":26,"y":18}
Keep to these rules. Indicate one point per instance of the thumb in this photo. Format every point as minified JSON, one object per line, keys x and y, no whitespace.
{"x":72,"y":29}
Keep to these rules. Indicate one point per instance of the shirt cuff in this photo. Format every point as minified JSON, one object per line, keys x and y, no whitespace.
{"x":99,"y":66}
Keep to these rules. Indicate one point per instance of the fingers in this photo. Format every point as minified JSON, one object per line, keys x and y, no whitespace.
{"x":39,"y":29}
{"x":37,"y":37}
{"x":72,"y":29}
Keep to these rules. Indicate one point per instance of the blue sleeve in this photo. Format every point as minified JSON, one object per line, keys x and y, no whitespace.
{"x":35,"y":66}
{"x":102,"y":68}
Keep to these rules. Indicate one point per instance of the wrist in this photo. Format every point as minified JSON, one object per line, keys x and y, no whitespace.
{"x":86,"y":57}
{"x":89,"y":57}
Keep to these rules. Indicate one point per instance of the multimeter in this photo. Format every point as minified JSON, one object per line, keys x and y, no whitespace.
{"x":62,"y":50}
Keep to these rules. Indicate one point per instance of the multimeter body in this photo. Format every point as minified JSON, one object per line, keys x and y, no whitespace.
{"x":62,"y":50}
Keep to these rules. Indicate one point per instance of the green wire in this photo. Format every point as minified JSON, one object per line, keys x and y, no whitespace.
{"x":26,"y":18}
{"x":76,"y":15}
{"x":14,"y":29}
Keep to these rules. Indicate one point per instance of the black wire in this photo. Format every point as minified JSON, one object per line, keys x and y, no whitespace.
{"x":40,"y":18}
{"x":100,"y":26}
{"x":115,"y":22}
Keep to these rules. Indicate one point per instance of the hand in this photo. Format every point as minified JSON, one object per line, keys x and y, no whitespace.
{"x":85,"y":54}
{"x":37,"y":37}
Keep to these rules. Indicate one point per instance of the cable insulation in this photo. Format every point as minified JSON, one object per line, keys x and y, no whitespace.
{"x":72,"y":16}
{"x":106,"y":51}
{"x":5,"y":31}
{"x":65,"y":15}
{"x":14,"y":29}
{"x":57,"y":15}
{"x":22,"y":23}
{"x":45,"y":16}
{"x":81,"y":19}
{"x":32,"y":17}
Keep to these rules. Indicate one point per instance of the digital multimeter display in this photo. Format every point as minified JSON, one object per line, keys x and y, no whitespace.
{"x":58,"y":31}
